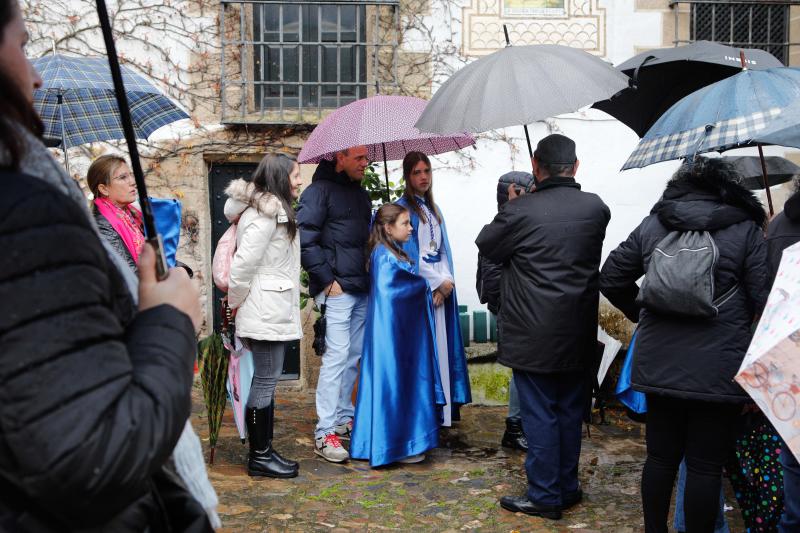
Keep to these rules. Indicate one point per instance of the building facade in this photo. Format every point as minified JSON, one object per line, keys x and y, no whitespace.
{"x":257,"y":75}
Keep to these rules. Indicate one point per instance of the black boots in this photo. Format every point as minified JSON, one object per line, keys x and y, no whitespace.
{"x":514,"y":437}
{"x":271,"y":426}
{"x":263,"y":459}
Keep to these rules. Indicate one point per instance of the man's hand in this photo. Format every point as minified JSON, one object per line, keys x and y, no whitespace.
{"x":177,"y":290}
{"x":446,"y":288}
{"x":334,"y":289}
{"x":512,"y":192}
{"x":438,"y":299}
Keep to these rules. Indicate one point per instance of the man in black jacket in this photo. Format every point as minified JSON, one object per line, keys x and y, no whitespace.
{"x":550,"y":242}
{"x":784,"y":231}
{"x":333,"y":217}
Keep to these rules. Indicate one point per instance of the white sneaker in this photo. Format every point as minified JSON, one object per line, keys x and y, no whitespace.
{"x":329,"y":447}
{"x":343,"y":431}
{"x":411,"y":459}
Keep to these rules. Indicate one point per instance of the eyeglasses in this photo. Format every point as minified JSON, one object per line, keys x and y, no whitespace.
{"x":124,"y":177}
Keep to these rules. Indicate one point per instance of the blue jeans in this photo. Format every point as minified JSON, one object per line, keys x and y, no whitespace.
{"x":552,"y":407}
{"x":346,"y":315}
{"x":790,"y":520}
{"x":720,"y":526}
{"x":513,"y":399}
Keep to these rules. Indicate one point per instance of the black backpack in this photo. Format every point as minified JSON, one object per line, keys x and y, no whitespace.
{"x":680,"y":276}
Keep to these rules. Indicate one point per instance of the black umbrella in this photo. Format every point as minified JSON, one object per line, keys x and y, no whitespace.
{"x":659,"y":78}
{"x":779,"y":170}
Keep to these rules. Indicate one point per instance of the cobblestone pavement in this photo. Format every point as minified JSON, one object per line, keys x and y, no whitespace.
{"x":455,"y":489}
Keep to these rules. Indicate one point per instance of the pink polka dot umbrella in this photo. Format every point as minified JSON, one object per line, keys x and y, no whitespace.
{"x":382,"y":123}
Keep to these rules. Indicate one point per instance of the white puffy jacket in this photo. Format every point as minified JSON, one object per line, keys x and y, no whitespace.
{"x":265,"y":271}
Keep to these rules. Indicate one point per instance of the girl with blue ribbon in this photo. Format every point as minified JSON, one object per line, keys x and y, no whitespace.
{"x":429,"y":249}
{"x":399,"y":391}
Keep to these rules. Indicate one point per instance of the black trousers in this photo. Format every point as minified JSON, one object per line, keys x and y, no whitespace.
{"x":703,"y":433}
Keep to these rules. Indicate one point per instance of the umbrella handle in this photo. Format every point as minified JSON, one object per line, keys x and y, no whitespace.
{"x":634,"y":81}
{"x":766,"y":179}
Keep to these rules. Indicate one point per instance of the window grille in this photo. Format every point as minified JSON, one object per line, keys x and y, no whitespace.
{"x":292,"y":62}
{"x":744,"y":24}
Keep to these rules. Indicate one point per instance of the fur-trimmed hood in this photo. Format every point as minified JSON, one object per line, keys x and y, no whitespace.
{"x":240,"y":197}
{"x":708,"y":197}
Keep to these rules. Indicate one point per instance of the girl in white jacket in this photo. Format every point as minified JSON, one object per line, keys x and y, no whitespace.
{"x":264,"y":290}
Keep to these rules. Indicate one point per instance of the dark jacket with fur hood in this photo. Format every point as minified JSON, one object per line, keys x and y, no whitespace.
{"x":692,"y":358}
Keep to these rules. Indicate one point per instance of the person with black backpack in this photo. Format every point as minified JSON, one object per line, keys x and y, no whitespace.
{"x":704,"y":260}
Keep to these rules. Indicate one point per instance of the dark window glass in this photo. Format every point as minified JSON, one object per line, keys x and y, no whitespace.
{"x":298,"y":70}
{"x":761,"y":25}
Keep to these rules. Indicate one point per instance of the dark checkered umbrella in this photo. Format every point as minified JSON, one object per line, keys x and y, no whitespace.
{"x":88,"y":110}
{"x":728,"y":114}
{"x":732,"y":113}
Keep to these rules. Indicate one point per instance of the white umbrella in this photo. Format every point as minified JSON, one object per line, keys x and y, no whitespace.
{"x":770,"y":372}
{"x":519,"y":85}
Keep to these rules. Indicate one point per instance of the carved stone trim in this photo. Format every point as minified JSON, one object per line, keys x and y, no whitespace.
{"x":580,"y":24}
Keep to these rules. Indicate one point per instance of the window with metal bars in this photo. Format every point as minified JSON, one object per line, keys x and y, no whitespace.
{"x":315,"y":53}
{"x":762,"y":25}
{"x":304,"y":57}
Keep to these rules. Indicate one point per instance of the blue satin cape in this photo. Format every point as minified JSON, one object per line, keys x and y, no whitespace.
{"x":459,"y":376}
{"x":399,"y":390}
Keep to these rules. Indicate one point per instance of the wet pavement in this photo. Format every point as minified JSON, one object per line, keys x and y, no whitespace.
{"x":455,"y":489}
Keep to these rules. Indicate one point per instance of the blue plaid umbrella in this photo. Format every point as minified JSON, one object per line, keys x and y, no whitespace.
{"x":88,"y":110}
{"x":728,"y":114}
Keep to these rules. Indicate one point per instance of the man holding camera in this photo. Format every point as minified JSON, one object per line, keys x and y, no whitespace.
{"x":550,"y":243}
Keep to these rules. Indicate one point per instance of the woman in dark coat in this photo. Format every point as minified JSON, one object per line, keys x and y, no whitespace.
{"x":114,"y":190}
{"x":686,"y":365}
{"x":94,"y":393}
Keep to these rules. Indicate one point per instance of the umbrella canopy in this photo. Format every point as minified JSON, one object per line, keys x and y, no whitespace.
{"x":88,"y":110}
{"x":659,"y":78}
{"x":384,"y":124}
{"x":519,"y":85}
{"x":727,"y":114}
{"x":782,"y":134}
{"x":779,"y":169}
{"x":770,"y":371}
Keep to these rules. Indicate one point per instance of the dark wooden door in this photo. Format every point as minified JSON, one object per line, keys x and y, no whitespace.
{"x":219,"y":176}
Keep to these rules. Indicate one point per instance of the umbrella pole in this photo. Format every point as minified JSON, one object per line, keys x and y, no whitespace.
{"x":766,"y":179}
{"x":528,"y":139}
{"x":386,"y":172}
{"x":525,"y":126}
{"x":63,"y":131}
{"x":153,"y":237}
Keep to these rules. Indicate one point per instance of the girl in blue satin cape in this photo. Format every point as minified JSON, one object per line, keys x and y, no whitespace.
{"x":399,"y":391}
{"x":429,"y":250}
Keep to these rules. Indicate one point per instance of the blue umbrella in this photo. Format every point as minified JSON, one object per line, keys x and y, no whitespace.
{"x":728,"y":114}
{"x":731,"y":113}
{"x":78,"y":106}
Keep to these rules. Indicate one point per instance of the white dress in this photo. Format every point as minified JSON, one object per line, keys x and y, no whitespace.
{"x":435,"y":274}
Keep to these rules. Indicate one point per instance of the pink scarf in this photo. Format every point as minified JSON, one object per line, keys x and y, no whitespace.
{"x":127,"y":222}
